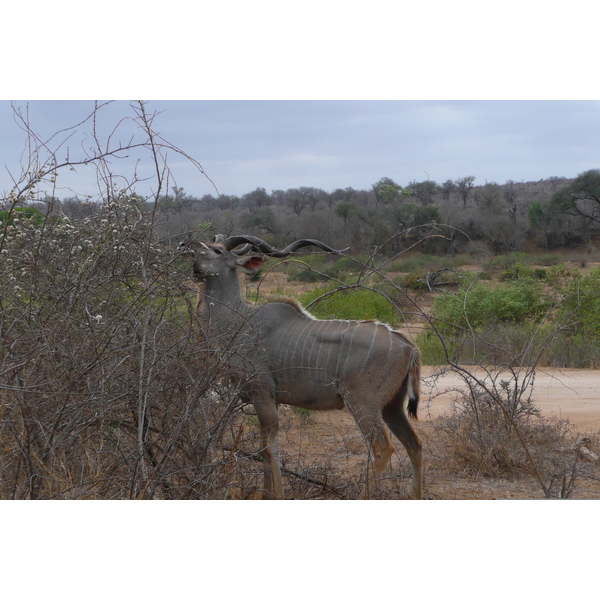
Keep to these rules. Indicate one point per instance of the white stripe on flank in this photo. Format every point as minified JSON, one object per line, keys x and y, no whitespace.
{"x":316,"y":342}
{"x":349,"y":350}
{"x":370,"y":347}
{"x":293,"y":337}
{"x":299,"y":337}
{"x":330,"y":344}
{"x":337,"y":373}
{"x":305,"y":339}
{"x":391,"y":338}
{"x":308,"y":357}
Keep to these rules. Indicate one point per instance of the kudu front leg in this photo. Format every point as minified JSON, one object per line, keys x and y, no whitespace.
{"x":268,"y":417}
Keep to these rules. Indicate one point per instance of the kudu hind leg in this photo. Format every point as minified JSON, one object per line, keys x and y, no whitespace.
{"x":268,"y":418}
{"x":397,"y":421}
{"x":378,"y":443}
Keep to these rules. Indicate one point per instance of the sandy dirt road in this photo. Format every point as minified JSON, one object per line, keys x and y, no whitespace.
{"x":572,"y":394}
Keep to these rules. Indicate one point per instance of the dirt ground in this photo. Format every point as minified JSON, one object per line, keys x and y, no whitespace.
{"x":572,"y":394}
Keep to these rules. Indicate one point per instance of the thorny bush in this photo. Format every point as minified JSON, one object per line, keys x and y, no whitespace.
{"x":106,"y":387}
{"x":480,"y":437}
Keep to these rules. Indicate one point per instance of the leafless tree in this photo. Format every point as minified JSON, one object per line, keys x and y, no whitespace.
{"x":464,"y":185}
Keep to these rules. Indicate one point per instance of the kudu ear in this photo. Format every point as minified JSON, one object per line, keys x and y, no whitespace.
{"x":250,"y":264}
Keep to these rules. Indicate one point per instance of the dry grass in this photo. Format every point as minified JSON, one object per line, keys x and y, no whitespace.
{"x":325,"y":457}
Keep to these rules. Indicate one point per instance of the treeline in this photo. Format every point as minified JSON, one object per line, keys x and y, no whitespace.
{"x":514,"y":216}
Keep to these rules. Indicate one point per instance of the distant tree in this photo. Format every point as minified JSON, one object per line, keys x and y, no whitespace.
{"x":581,"y":197}
{"x":181,"y":199}
{"x":556,"y":182}
{"x":176,"y":201}
{"x":257,"y":198}
{"x":423,"y":191}
{"x":263,"y":218}
{"x":279,"y":197}
{"x":464,"y":185}
{"x":539,"y":219}
{"x":226,"y":202}
{"x":386,"y":191}
{"x":496,"y":229}
{"x":363,"y":197}
{"x":338,"y":195}
{"x":312,"y":196}
{"x":510,"y":195}
{"x":75,"y":207}
{"x":296,"y":201}
{"x":411,"y":214}
{"x":343,"y":195}
{"x":535,"y":213}
{"x":488,"y":198}
{"x":345,"y":210}
{"x":447,"y":188}
{"x":208,"y":201}
{"x":510,"y":192}
{"x":330,"y":200}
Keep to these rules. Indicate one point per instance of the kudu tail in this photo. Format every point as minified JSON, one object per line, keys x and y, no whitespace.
{"x":414,"y":382}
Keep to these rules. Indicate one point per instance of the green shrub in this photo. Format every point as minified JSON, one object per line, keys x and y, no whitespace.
{"x":517,"y":271}
{"x":512,"y":259}
{"x":351,"y":304}
{"x":19,"y":212}
{"x":411,"y":263}
{"x":432,"y":349}
{"x":339,"y":269}
{"x":413,"y":281}
{"x":307,"y":276}
{"x":345,"y":265}
{"x":549,"y":260}
{"x":506,"y":319}
{"x":500,"y":344}
{"x":316,"y":260}
{"x":427,"y":262}
{"x":572,"y":351}
{"x":580,"y":309}
{"x":482,"y":305}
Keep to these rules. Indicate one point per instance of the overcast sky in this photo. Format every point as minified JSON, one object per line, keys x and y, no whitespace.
{"x":328,"y":144}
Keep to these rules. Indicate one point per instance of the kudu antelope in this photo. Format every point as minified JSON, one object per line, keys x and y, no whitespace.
{"x":283,"y":355}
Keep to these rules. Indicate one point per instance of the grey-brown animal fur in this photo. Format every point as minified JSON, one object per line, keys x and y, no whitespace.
{"x":282,"y":355}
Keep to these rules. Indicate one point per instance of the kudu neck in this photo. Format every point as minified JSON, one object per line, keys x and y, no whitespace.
{"x":223,"y":293}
